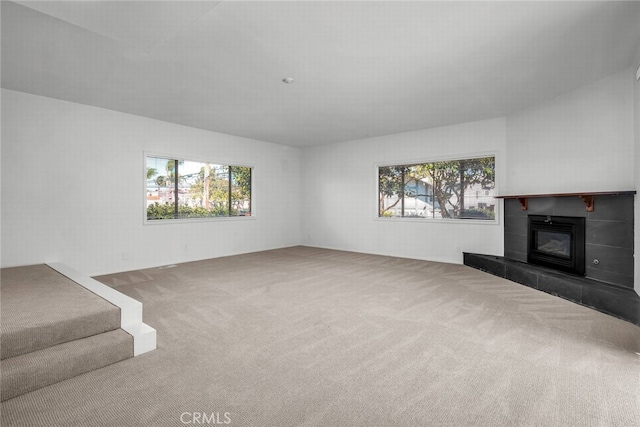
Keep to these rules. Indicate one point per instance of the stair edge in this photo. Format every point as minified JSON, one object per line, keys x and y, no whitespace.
{"x":144,"y":336}
{"x":32,"y":371}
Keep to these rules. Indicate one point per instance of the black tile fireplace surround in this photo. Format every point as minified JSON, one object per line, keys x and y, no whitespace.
{"x":607,"y":283}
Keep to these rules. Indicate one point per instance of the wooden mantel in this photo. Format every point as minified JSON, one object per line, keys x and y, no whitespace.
{"x":587,"y":197}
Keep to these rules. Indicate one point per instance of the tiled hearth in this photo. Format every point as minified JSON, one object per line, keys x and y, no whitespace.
{"x":608,"y":282}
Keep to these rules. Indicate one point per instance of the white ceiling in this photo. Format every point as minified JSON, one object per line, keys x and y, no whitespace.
{"x":361,"y":68}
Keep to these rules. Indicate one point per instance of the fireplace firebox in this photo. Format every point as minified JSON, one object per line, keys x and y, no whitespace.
{"x":557,"y":242}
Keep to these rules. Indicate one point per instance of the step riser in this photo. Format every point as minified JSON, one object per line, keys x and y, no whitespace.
{"x":38,"y":338}
{"x":29,"y":372}
{"x":43,"y":308}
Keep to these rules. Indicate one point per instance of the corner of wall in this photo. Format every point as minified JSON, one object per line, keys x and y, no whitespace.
{"x":1,"y":191}
{"x":636,"y":69}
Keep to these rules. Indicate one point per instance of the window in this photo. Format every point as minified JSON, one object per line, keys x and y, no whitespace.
{"x":451,"y":189}
{"x":179,"y":189}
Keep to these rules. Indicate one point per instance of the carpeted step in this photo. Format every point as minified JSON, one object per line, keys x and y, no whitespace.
{"x":31,"y":371}
{"x":43,"y":308}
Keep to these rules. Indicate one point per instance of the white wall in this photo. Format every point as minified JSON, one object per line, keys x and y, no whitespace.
{"x":72,"y":189}
{"x":72,"y":186}
{"x":340,"y":185}
{"x":580,"y":141}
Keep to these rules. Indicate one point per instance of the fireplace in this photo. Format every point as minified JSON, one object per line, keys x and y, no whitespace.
{"x":557,"y":242}
{"x":601,"y":249}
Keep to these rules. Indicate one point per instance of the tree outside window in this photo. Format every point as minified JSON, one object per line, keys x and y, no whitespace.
{"x":452,"y":189}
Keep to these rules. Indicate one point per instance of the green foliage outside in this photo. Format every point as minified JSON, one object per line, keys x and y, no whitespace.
{"x":167,"y":211}
{"x":208,"y":193}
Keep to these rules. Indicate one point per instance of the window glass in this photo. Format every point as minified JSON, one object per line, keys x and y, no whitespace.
{"x":240,"y":191}
{"x":179,"y":189}
{"x":453,"y":189}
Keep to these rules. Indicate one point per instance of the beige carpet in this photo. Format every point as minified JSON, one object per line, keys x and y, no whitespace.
{"x":42,"y":308}
{"x":313,"y":337}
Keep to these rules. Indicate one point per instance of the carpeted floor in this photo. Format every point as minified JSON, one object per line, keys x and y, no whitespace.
{"x":48,"y":314}
{"x":312,"y":337}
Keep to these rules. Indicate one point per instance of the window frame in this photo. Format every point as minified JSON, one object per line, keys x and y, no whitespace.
{"x":146,"y":221}
{"x":469,"y":156}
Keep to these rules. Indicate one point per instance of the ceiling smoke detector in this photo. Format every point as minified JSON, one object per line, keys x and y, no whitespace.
{"x":288,"y":80}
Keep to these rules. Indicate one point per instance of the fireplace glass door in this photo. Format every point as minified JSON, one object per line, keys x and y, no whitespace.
{"x":554,"y":243}
{"x":557,"y":242}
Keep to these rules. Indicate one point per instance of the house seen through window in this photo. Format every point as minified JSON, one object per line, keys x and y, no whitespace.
{"x":452,"y":189}
{"x":180,"y":189}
